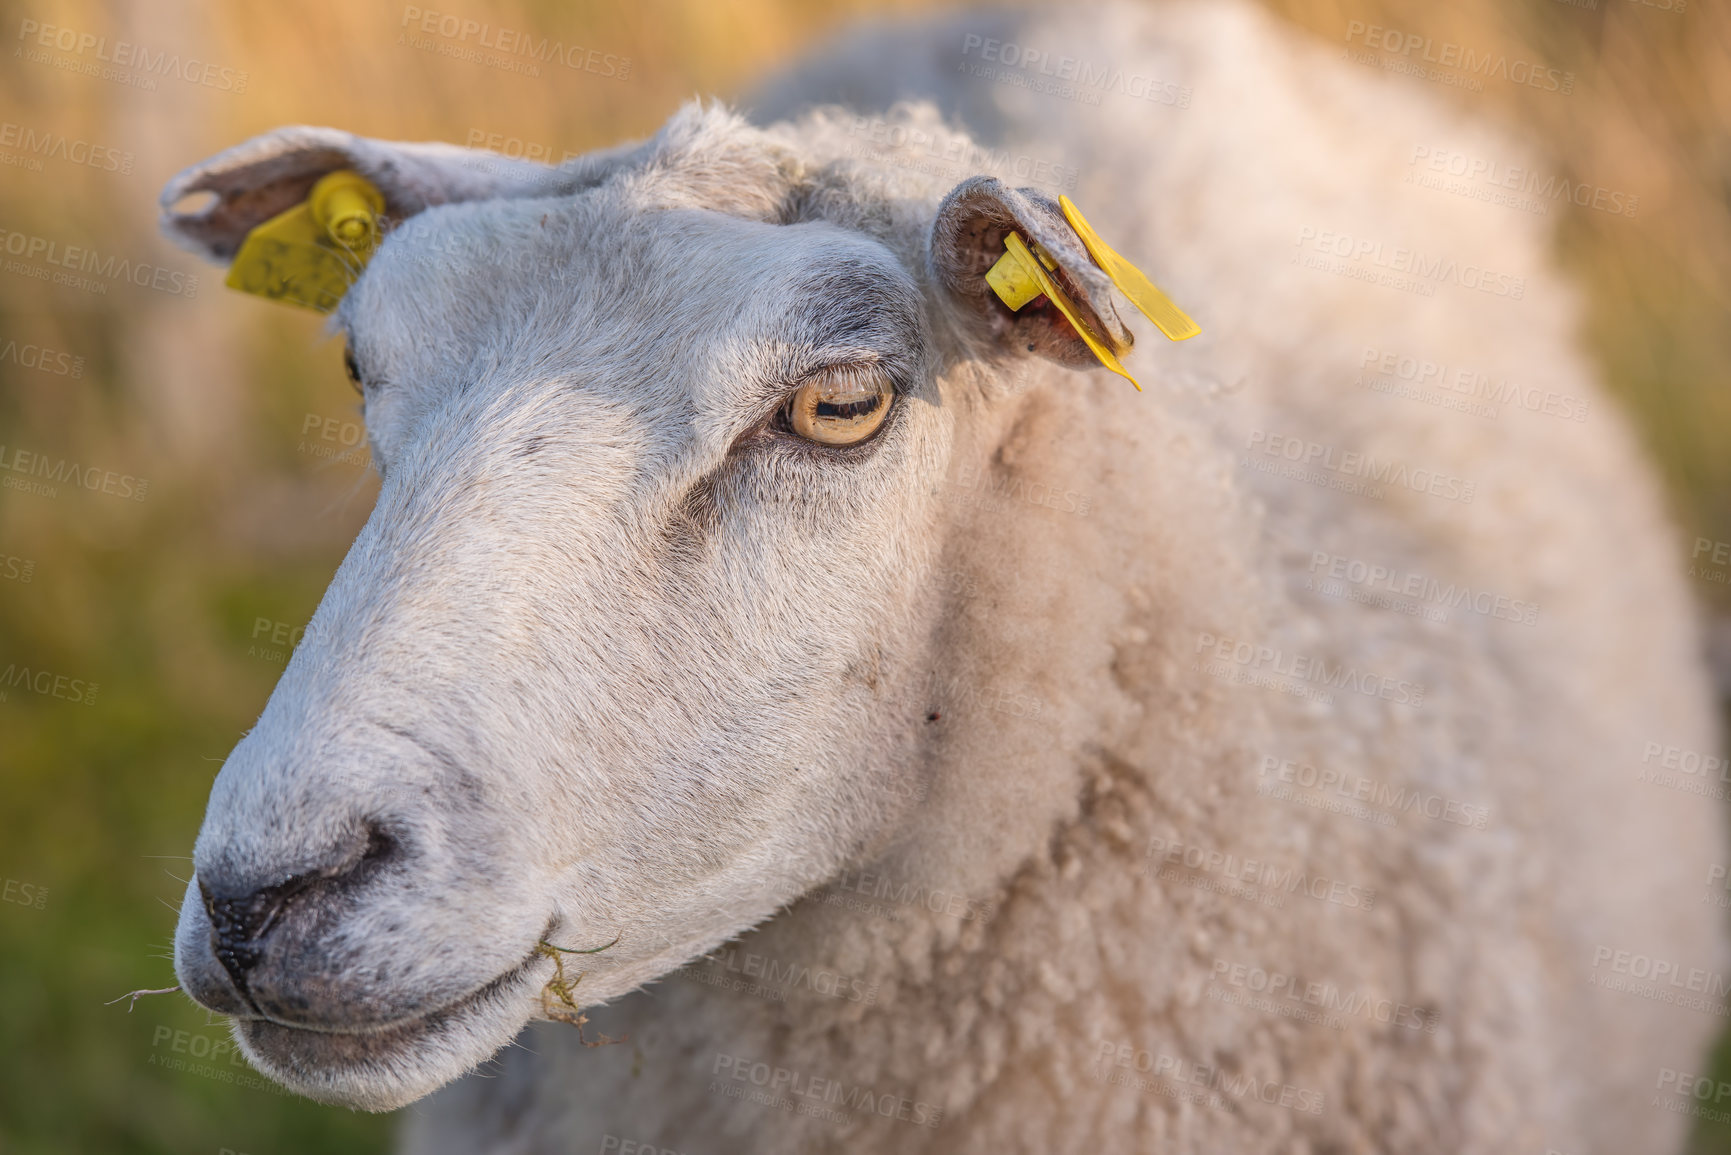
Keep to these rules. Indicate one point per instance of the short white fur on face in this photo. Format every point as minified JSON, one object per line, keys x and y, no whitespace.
{"x":612,"y":659}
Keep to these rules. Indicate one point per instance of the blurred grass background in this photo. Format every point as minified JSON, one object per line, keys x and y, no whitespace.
{"x":249,"y":512}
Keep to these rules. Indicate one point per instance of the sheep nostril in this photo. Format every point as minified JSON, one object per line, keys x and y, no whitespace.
{"x":240,"y":924}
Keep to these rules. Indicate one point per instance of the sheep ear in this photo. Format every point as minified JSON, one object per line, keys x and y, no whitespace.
{"x":270,"y":174}
{"x":969,"y":237}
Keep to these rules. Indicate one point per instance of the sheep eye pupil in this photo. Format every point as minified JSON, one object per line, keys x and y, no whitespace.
{"x":841,"y":407}
{"x":847,"y":410}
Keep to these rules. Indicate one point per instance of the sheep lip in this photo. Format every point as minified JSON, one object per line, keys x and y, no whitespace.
{"x":389,"y":1067}
{"x":410,"y":1026}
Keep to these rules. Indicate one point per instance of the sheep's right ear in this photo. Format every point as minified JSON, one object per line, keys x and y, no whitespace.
{"x":270,"y":174}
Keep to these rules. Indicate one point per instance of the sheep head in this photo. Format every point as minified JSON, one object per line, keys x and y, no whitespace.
{"x":635,"y":646}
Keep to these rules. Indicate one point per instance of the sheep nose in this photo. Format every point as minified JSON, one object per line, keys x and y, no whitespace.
{"x":240,"y":923}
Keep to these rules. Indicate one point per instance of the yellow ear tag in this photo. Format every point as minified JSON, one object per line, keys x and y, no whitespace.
{"x":1015,"y":285}
{"x":312,"y":253}
{"x":1019,"y":277}
{"x":1155,"y":305}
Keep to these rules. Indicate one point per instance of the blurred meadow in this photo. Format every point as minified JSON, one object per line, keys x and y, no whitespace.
{"x":164,"y":621}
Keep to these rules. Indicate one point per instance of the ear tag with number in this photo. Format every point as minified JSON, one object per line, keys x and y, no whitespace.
{"x":311,"y":254}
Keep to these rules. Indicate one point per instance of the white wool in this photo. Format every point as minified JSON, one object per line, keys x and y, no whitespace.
{"x":948,"y":726}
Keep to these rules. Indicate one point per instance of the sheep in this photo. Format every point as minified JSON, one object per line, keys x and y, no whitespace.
{"x":990,"y":757}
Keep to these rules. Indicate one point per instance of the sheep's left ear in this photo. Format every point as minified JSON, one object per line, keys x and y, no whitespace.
{"x":968,"y":238}
{"x":270,"y":174}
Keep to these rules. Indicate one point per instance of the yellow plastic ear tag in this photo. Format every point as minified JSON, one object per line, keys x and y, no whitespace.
{"x":1155,"y":305}
{"x":1015,"y":285}
{"x":1018,"y":270}
{"x":312,"y":253}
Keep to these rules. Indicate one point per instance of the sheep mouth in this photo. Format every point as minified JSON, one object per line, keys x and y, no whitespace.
{"x":492,"y":988}
{"x":375,"y":1068}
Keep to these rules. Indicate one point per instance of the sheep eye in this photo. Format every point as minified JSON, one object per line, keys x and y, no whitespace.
{"x":352,"y":368}
{"x":841,"y":407}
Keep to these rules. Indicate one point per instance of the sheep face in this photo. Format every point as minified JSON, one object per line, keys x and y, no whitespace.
{"x":633,"y":649}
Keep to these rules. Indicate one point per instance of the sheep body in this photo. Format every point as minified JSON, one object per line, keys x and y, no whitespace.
{"x":1146,"y":620}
